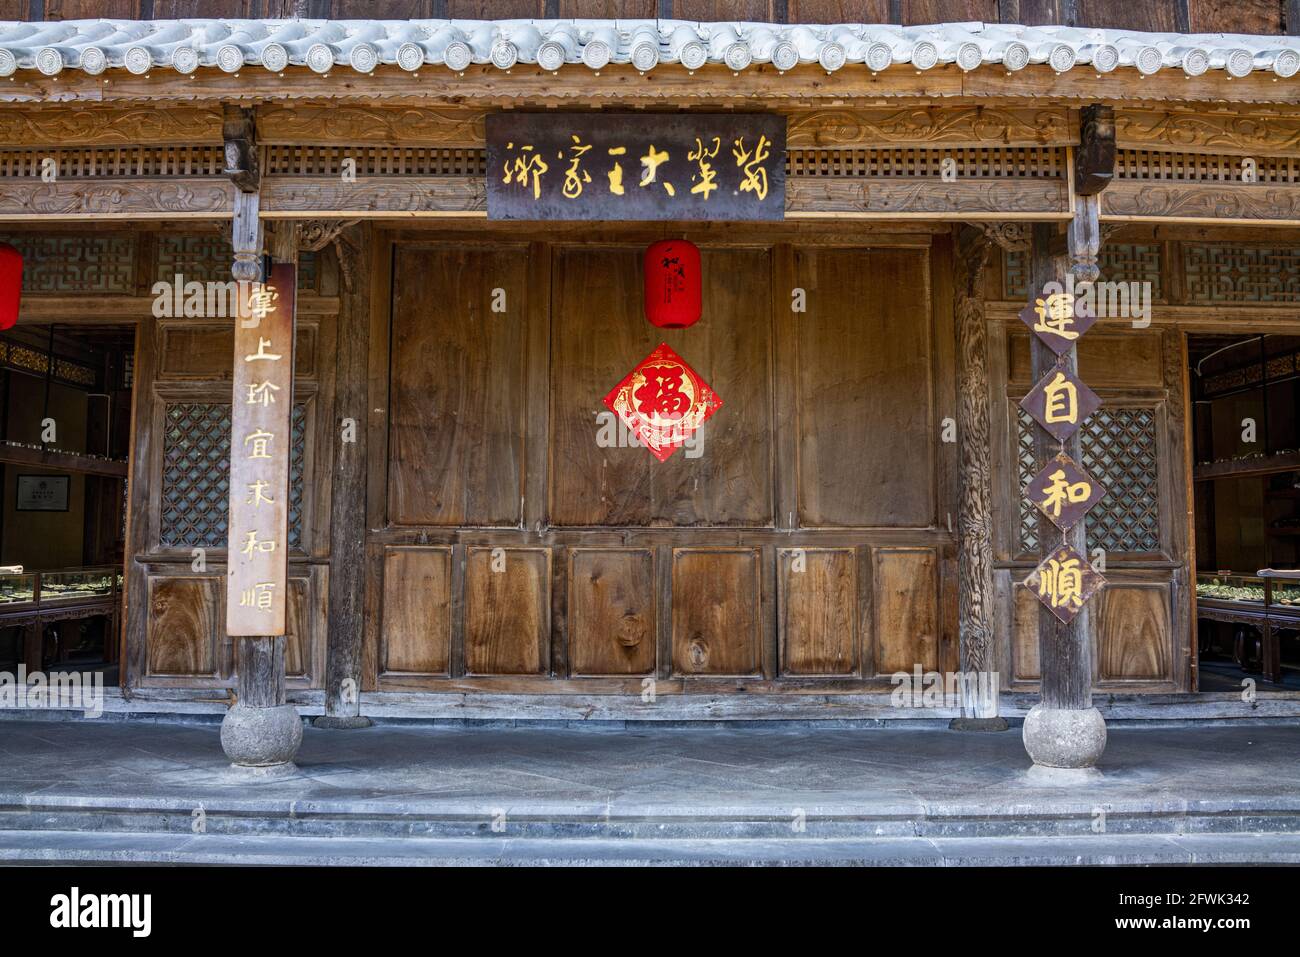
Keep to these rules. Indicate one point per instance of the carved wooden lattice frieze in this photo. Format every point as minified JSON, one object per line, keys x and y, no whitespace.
{"x":1119,"y":451}
{"x":1168,"y":166}
{"x":1119,"y":262}
{"x":112,"y":162}
{"x":76,"y":265}
{"x":196,"y":475}
{"x":1219,"y":272}
{"x":206,"y":257}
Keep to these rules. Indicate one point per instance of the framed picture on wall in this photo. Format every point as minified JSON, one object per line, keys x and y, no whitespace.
{"x":43,"y":493}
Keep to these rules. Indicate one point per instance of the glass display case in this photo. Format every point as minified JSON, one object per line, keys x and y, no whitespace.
{"x":23,"y":590}
{"x":1267,"y":588}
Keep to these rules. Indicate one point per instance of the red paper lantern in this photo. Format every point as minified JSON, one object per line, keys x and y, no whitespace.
{"x":11,"y":284}
{"x":672,"y":284}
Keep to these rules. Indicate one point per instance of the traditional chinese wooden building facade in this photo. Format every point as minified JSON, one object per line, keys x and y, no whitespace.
{"x":458,"y":543}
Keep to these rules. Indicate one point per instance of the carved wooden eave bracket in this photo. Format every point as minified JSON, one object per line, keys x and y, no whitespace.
{"x":1094,"y":169}
{"x":239,"y":134}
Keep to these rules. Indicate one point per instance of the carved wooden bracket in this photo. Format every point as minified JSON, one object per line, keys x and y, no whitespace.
{"x":239,"y":130}
{"x":1094,"y":157}
{"x":314,"y":235}
{"x":1084,"y":238}
{"x":1011,"y":237}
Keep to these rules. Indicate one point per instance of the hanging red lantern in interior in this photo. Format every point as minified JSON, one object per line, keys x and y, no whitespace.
{"x":672,"y":284}
{"x":11,"y":284}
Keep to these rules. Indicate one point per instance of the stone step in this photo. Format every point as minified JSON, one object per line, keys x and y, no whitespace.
{"x":699,"y":819}
{"x":109,"y":847}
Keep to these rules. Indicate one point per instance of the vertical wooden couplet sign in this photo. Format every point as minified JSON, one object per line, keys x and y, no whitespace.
{"x":260,"y":445}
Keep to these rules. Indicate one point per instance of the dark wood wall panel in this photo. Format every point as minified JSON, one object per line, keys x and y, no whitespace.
{"x":195,"y":350}
{"x":865,"y":408}
{"x":193,"y":9}
{"x":1024,"y":632}
{"x":759,"y":10}
{"x":611,"y":606}
{"x":948,"y":11}
{"x":716,"y":613}
{"x":457,"y":389}
{"x":1131,"y":629}
{"x":1160,"y":17}
{"x":818,"y":616}
{"x":416,"y":633}
{"x":1236,"y":16}
{"x":184,"y":627}
{"x":600,"y":333}
{"x":1107,"y":360}
{"x":838,"y":11}
{"x":92,"y":9}
{"x":507,"y":619}
{"x":906,"y":597}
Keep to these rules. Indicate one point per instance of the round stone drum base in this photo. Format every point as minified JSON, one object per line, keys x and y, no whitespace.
{"x":261,"y":737}
{"x":1057,"y":738}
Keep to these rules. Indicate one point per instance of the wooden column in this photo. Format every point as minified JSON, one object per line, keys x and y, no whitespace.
{"x":348,"y":488}
{"x":1064,"y":655}
{"x":975,"y":503}
{"x":261,"y":732}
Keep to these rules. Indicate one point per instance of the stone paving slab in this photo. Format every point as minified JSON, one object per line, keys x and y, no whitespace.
{"x":1162,"y":790}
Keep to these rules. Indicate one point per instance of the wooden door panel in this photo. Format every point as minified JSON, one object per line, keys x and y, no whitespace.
{"x":716,"y":613}
{"x":416,"y":635}
{"x":507,"y":611}
{"x":184,"y":626}
{"x":457,"y":406}
{"x":818,"y":611}
{"x":600,"y":334}
{"x":612,"y":622}
{"x":1131,"y":628}
{"x":906,"y":601}
{"x":867,"y":430}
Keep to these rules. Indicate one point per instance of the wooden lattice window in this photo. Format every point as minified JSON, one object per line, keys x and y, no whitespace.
{"x":1119,"y":262}
{"x":1221,"y":272}
{"x":207,"y":257}
{"x":74,"y":265}
{"x":196,"y":474}
{"x":1119,"y":450}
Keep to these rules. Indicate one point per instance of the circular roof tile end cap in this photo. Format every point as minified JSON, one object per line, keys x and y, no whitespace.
{"x":645,"y":56}
{"x":1239,"y":63}
{"x":1286,"y":64}
{"x":925,"y":55}
{"x":1196,"y":61}
{"x":596,"y":54}
{"x":458,"y":56}
{"x":138,"y":60}
{"x":1062,"y":58}
{"x":93,"y":61}
{"x":879,"y":56}
{"x":364,"y":58}
{"x":1148,"y":61}
{"x":738,"y":56}
{"x":320,"y":58}
{"x":785,"y":56}
{"x":832,"y":56}
{"x":49,"y":61}
{"x":1105,"y":58}
{"x":969,"y":56}
{"x":551,"y":55}
{"x":7,"y":63}
{"x":185,"y":60}
{"x":410,"y":57}
{"x":230,"y":58}
{"x":504,"y":54}
{"x":275,"y":57}
{"x":693,"y":55}
{"x":1015,"y":56}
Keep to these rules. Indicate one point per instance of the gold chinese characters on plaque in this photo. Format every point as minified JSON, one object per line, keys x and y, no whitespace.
{"x":262,"y":405}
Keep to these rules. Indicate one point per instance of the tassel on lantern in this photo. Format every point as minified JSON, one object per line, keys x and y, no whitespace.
{"x":11,"y":284}
{"x":672,"y":284}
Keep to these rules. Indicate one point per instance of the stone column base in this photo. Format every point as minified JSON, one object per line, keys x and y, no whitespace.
{"x":261,"y":737}
{"x":341,"y":722}
{"x":1057,"y":738}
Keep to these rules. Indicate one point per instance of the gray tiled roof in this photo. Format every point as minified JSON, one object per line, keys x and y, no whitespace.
{"x":93,"y":46}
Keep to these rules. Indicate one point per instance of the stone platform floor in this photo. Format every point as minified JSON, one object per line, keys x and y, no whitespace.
{"x":129,"y":791}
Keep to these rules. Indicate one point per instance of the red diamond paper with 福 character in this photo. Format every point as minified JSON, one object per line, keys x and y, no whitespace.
{"x":663,"y":401}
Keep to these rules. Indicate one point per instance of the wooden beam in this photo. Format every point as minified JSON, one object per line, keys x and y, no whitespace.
{"x":239,"y":131}
{"x":60,"y":461}
{"x":714,"y":85}
{"x":1220,"y":204}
